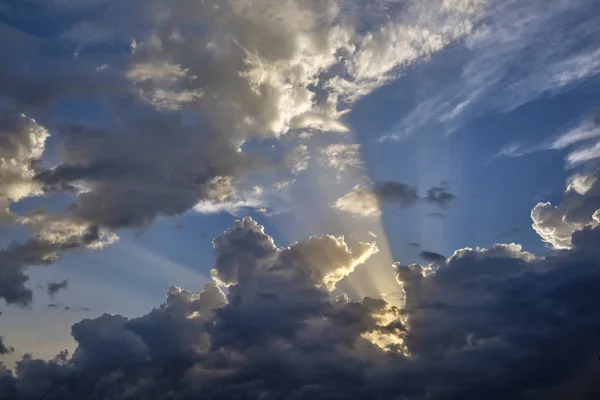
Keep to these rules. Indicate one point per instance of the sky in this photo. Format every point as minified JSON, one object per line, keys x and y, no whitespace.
{"x":290,"y":199}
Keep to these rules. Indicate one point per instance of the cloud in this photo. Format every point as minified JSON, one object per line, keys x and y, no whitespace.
{"x":22,"y":143}
{"x":461,"y":324}
{"x":524,"y":51}
{"x":52,"y":288}
{"x":366,"y":201}
{"x":431,"y":257}
{"x":440,"y":195}
{"x":5,"y":349}
{"x":66,"y":308}
{"x":52,"y":235}
{"x":297,"y":159}
{"x":359,"y":201}
{"x":577,"y":209}
{"x":581,"y":142}
{"x":244,"y":251}
{"x":342,"y":157}
{"x":199,"y":81}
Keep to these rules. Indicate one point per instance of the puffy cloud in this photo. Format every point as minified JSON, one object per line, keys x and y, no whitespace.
{"x":462,"y":322}
{"x":359,"y":201}
{"x":240,"y":250}
{"x":556,"y":224}
{"x":210,"y":344}
{"x":22,"y":142}
{"x":326,"y":259}
{"x":366,"y":201}
{"x":52,"y":288}
{"x":244,"y":251}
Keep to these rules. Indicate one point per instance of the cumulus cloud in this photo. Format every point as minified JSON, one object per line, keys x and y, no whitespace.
{"x":22,"y":142}
{"x":245,"y":251}
{"x":366,"y":201}
{"x":461,"y":323}
{"x":577,"y":209}
{"x":359,"y":201}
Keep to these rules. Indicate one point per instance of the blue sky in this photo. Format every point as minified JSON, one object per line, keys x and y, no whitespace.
{"x":167,"y":123}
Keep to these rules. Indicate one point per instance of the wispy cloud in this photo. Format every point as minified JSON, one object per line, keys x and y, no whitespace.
{"x":581,"y":142}
{"x":525,"y":50}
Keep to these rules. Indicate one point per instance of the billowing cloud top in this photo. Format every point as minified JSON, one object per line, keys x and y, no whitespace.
{"x":463,"y":323}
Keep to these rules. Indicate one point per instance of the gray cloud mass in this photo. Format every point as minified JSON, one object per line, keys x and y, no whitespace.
{"x":278,"y":333}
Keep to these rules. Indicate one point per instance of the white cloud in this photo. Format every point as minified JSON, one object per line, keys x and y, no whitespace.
{"x":584,"y":134}
{"x":359,"y":201}
{"x":578,"y":209}
{"x":297,"y":159}
{"x":525,"y":49}
{"x":585,"y":131}
{"x":583,"y":154}
{"x":341,"y":157}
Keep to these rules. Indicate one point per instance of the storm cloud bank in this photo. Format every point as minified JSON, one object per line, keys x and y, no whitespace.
{"x":484,"y":323}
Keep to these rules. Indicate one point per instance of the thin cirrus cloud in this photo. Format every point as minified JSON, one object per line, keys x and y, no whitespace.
{"x":581,"y":143}
{"x":525,"y":50}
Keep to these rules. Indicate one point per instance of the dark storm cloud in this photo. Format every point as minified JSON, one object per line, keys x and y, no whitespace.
{"x":52,"y":288}
{"x":261,"y":343}
{"x":277,"y":334}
